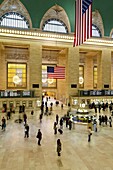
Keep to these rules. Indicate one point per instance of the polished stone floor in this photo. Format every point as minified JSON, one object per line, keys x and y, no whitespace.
{"x":19,"y":153}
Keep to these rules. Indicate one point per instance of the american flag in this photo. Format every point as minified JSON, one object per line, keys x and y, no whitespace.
{"x":57,"y":72}
{"x":83,"y":28}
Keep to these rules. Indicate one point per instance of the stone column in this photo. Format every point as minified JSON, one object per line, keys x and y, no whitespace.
{"x":3,"y":81}
{"x":104,"y":69}
{"x":88,"y":73}
{"x":73,"y":70}
{"x":61,"y":83}
{"x":35,"y":67}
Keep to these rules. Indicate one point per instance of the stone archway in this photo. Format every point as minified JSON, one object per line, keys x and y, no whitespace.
{"x":15,"y":6}
{"x":56,"y":12}
{"x":97,"y":20}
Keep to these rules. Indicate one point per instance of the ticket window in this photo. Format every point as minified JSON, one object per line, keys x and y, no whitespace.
{"x":4,"y":106}
{"x":11,"y":104}
{"x":38,"y":103}
{"x":17,"y":103}
{"x":24,"y":103}
{"x":74,"y":101}
{"x":30,"y":104}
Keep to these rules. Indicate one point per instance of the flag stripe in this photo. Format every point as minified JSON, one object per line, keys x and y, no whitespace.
{"x":83,"y":27}
{"x":59,"y":73}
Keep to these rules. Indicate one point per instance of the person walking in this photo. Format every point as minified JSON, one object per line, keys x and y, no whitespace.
{"x":67,"y":121}
{"x":32,"y":112}
{"x":106,"y":120}
{"x":62,"y":106}
{"x":95,"y":126}
{"x":25,"y":118}
{"x":61,"y":123}
{"x":26,"y":130}
{"x":3,"y":123}
{"x":70,"y":124}
{"x":110,"y":120}
{"x":89,"y":134}
{"x":59,"y":147}
{"x":40,"y":117}
{"x":39,"y":136}
{"x":55,"y":128}
{"x":100,"y":120}
{"x":57,"y":118}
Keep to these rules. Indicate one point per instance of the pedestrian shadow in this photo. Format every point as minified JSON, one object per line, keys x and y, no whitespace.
{"x":59,"y":163}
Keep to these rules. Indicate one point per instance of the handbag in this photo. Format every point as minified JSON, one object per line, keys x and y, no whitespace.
{"x":37,"y":136}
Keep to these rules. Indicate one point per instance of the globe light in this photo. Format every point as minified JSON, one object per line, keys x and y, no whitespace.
{"x":44,"y":80}
{"x":16,"y":79}
{"x":50,"y":81}
{"x":81,"y":80}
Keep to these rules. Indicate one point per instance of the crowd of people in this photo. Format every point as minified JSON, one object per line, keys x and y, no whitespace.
{"x":58,"y":124}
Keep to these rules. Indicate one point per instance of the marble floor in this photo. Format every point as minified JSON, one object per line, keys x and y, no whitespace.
{"x":19,"y":153}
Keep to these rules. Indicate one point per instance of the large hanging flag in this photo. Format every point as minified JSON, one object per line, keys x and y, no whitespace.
{"x":83,"y":28}
{"x":57,"y":72}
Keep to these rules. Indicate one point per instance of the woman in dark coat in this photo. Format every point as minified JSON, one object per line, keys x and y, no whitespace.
{"x":110,"y":120}
{"x":59,"y":147}
{"x":39,"y":136}
{"x":55,"y":128}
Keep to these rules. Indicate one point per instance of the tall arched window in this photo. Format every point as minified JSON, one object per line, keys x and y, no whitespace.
{"x":13,"y":19}
{"x":112,"y":35}
{"x":95,"y":31}
{"x":55,"y":25}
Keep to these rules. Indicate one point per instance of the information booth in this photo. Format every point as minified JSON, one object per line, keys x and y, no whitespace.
{"x":88,"y":96}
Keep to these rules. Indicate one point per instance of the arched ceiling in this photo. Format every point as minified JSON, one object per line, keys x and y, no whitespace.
{"x":37,"y":9}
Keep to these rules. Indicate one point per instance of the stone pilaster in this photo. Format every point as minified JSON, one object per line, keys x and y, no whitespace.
{"x":88,"y":73}
{"x":61,"y":83}
{"x":104,"y":69}
{"x":73,"y":70}
{"x":35,"y":67}
{"x":3,"y":69}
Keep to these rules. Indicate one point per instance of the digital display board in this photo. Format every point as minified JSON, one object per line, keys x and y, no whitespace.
{"x":26,"y":94}
{"x":16,"y":94}
{"x":96,"y":93}
{"x":84,"y":93}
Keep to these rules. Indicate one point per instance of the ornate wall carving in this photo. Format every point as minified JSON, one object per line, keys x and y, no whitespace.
{"x":111,"y":33}
{"x":58,"y":13}
{"x":50,"y":57}
{"x":12,"y":53}
{"x":15,"y":6}
{"x":97,"y":20}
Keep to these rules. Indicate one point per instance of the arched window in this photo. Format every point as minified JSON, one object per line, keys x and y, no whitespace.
{"x":112,"y":35}
{"x":95,"y":31}
{"x":13,"y":19}
{"x":55,"y":25}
